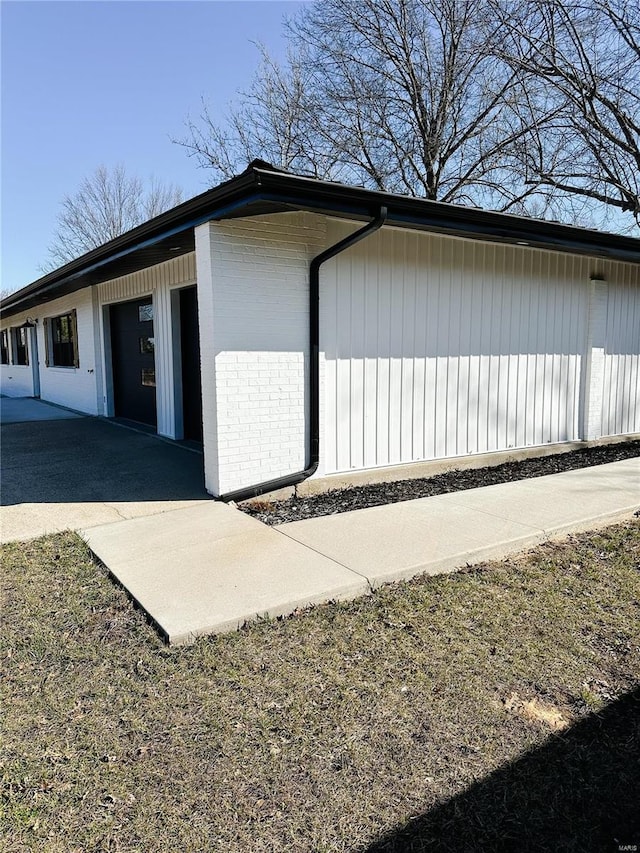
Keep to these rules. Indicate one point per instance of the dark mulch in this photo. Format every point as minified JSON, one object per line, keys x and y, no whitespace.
{"x":377,"y":494}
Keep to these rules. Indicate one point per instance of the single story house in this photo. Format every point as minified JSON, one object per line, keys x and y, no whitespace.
{"x":299,"y":327}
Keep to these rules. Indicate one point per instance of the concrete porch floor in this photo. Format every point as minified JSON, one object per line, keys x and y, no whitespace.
{"x":62,"y":470}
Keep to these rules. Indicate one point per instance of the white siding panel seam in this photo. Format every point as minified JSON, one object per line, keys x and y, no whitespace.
{"x":437,"y":347}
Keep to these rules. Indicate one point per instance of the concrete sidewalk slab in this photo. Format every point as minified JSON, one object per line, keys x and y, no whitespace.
{"x":16,"y":410}
{"x":401,"y":540}
{"x":22,"y":522}
{"x":81,"y":472}
{"x":211,"y":568}
{"x":446,"y":532}
{"x":563,"y":503}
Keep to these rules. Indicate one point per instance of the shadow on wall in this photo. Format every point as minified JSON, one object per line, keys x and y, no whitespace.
{"x":579,"y":792}
{"x":92,"y":460}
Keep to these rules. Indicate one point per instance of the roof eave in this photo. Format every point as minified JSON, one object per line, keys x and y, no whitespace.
{"x":263,"y":189}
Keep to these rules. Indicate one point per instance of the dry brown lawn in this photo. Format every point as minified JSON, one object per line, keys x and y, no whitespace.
{"x":493,"y":709}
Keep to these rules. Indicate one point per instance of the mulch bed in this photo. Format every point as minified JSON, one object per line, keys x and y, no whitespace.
{"x":377,"y":494}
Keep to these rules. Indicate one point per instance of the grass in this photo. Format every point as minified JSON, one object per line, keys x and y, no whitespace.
{"x":395,"y":722}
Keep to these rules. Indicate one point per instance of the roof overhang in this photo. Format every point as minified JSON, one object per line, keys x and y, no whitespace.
{"x":261,"y":189}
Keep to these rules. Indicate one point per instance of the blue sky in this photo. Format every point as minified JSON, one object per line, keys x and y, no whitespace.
{"x":86,"y":83}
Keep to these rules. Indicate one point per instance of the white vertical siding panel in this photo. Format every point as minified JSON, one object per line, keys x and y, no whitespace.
{"x":561,"y":377}
{"x":514,"y":319}
{"x":383,"y":353}
{"x":578,"y":342}
{"x":177,"y":271}
{"x":343,"y":372}
{"x":474,"y":290}
{"x":500,"y":349}
{"x":443,"y":250}
{"x":621,"y":391}
{"x":453,"y":360}
{"x":395,"y":344}
{"x":408,"y":350}
{"x":164,"y":361}
{"x":419,"y":337}
{"x":328,"y":313}
{"x":446,"y":347}
{"x":370,"y":361}
{"x":356,"y":358}
{"x":484,"y":258}
{"x":634,"y":362}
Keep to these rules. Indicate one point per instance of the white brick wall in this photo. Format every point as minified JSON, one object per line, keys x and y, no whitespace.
{"x":67,"y":386}
{"x":16,"y":380}
{"x":254,"y":318}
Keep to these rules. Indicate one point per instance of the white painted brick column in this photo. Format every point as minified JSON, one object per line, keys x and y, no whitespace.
{"x":204,"y":235}
{"x":253,"y":296}
{"x":593,"y":373}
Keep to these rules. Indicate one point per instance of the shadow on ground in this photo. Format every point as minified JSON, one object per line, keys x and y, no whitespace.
{"x":89,"y":459}
{"x":579,"y":792}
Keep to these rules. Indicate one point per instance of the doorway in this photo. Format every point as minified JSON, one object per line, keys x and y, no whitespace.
{"x":190,"y":359}
{"x":133,"y":361}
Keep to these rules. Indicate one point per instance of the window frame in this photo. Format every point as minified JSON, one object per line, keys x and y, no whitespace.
{"x":51,"y":344}
{"x":19,"y":345}
{"x":5,"y":346}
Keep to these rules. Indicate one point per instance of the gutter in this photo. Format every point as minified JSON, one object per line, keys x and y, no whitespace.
{"x":15,"y":306}
{"x":314,"y":373}
{"x":221,"y":201}
{"x":261,"y":183}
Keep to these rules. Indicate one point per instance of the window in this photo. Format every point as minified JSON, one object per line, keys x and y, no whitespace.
{"x":4,"y":346}
{"x":146,"y":346}
{"x":148,"y":376}
{"x":62,"y":340}
{"x":20,"y":351}
{"x":145,"y":313}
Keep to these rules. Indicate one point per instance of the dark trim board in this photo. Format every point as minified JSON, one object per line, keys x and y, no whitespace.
{"x":262,"y":189}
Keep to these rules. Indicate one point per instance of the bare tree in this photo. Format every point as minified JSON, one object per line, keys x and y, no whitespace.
{"x":272,"y":121}
{"x":108,"y":203}
{"x":400,"y":95}
{"x":584,"y":131}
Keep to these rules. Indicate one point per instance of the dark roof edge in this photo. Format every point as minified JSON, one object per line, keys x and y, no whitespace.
{"x":299,"y":192}
{"x":174,"y":220}
{"x":453,"y":218}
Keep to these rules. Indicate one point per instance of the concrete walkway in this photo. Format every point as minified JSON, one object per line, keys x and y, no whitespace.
{"x":18,"y":410}
{"x":210,"y":568}
{"x":63,"y":471}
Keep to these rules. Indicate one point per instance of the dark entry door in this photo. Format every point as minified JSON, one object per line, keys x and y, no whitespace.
{"x":190,"y":352}
{"x":134,"y":369}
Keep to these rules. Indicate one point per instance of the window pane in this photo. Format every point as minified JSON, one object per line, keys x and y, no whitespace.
{"x":145,"y":313}
{"x":148,"y":376}
{"x":63,"y":348}
{"x":146,"y":345}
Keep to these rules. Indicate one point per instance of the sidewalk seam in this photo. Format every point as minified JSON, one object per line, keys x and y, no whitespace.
{"x":326,"y":556}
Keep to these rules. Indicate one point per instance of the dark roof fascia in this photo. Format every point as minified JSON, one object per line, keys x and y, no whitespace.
{"x":451,"y":219}
{"x":262,"y":189}
{"x":186,"y":215}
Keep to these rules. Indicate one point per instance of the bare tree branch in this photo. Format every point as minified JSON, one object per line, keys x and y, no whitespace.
{"x":586,"y":54}
{"x":400,"y":95}
{"x":108,"y":203}
{"x":525,"y":105}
